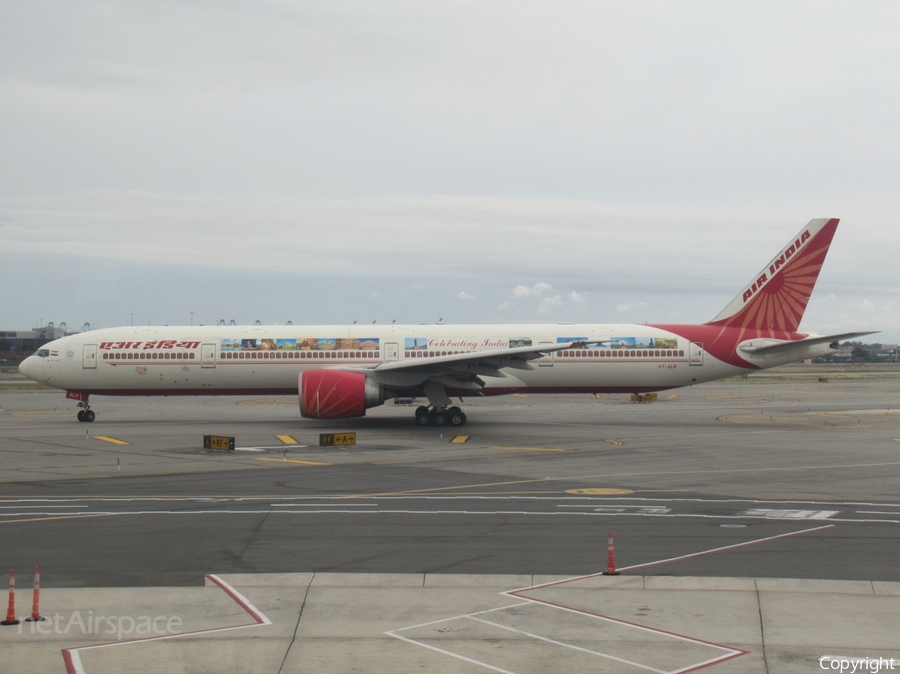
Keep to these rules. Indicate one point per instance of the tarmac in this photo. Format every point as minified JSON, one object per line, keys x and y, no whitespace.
{"x":756,"y":530}
{"x":381,"y":623}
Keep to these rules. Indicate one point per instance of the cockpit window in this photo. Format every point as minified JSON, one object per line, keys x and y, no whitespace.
{"x":43,"y":353}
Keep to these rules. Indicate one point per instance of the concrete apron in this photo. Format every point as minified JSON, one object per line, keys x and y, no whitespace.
{"x":330,"y":622}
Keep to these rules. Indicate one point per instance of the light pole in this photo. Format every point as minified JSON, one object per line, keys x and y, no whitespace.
{"x":192,"y":318}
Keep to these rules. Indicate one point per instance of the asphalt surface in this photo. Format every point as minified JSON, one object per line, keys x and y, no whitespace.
{"x":792,"y":478}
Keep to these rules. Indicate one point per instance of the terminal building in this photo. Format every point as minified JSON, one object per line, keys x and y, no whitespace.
{"x":25,"y":342}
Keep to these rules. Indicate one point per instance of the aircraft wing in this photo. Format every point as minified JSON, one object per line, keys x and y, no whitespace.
{"x":461,"y":370}
{"x":781,"y":346}
{"x":494,"y":360}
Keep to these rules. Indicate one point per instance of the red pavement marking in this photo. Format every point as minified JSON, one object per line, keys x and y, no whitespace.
{"x":72,"y":659}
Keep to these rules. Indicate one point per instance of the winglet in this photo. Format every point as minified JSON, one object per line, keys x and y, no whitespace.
{"x":776,"y":298}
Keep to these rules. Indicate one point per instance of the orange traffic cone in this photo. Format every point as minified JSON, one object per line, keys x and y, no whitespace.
{"x":610,"y":559}
{"x":36,"y":598}
{"x":11,"y":611}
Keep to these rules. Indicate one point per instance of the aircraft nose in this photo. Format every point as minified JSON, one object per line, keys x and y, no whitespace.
{"x":25,"y":366}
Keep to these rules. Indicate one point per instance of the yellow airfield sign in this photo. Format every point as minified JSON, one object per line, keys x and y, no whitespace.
{"x":337,"y":439}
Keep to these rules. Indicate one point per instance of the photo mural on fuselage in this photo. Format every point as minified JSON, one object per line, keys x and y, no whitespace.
{"x":627,"y":342}
{"x":302,"y":344}
{"x":425,"y":344}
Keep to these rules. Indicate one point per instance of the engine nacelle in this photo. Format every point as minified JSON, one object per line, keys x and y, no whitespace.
{"x":333,"y":394}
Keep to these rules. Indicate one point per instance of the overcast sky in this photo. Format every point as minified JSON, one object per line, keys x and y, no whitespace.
{"x":326,"y":162}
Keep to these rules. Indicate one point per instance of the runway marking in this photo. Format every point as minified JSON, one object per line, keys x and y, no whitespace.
{"x":610,"y":476}
{"x":726,"y":547}
{"x":600,"y":491}
{"x":114,"y":441}
{"x":287,"y":439}
{"x":460,"y":439}
{"x":325,"y":505}
{"x":74,"y":505}
{"x":305,"y":463}
{"x":72,"y":659}
{"x":531,"y":449}
{"x":515,"y":593}
{"x":60,"y":517}
{"x":781,"y":514}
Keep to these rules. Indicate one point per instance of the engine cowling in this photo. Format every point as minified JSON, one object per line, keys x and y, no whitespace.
{"x":333,"y":394}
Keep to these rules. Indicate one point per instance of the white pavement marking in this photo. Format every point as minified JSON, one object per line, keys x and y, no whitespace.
{"x":781,"y":514}
{"x":72,"y":657}
{"x":464,"y":615}
{"x":726,"y":547}
{"x":324,"y":505}
{"x":727,"y":655}
{"x":573,"y":647}
{"x":74,"y":505}
{"x":450,"y":653}
{"x":626,"y":623}
{"x":393,"y":633}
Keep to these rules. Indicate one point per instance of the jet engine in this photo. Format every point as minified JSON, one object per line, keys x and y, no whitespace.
{"x":335,"y":394}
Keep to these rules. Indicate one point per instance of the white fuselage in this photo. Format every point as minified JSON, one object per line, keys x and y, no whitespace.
{"x":216,"y":360}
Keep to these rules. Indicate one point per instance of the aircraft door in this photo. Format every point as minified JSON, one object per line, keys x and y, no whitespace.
{"x":547,"y":359}
{"x":391,"y":352}
{"x":89,"y":357}
{"x":695,"y":353}
{"x":208,"y":355}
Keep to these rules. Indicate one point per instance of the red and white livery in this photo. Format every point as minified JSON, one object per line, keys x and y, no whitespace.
{"x":341,"y":371}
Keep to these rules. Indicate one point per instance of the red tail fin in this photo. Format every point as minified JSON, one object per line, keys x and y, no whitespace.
{"x":776,"y":299}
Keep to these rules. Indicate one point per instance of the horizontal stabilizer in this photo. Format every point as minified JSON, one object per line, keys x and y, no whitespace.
{"x":783,"y":346}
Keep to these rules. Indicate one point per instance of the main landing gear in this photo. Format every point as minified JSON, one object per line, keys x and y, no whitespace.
{"x":85,"y":414}
{"x":440,"y":416}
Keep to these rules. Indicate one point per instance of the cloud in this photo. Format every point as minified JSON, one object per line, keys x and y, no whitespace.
{"x":577,"y":297}
{"x":536,"y":290}
{"x":549,"y":303}
{"x":465,"y":296}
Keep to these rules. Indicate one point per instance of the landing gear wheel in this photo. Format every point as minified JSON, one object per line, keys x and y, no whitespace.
{"x":440,"y":418}
{"x":422,"y":416}
{"x":80,"y":415}
{"x":456,"y":416}
{"x":89,"y":415}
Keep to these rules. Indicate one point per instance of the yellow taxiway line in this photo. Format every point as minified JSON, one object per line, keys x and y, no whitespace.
{"x":114,"y":441}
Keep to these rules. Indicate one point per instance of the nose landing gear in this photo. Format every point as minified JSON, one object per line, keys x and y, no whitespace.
{"x":86,"y":414}
{"x":440,"y":416}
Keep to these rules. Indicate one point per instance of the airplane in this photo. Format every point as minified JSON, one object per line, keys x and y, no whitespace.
{"x":339,"y":372}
